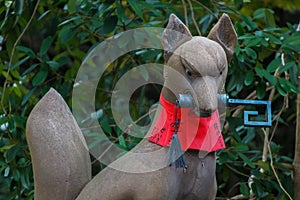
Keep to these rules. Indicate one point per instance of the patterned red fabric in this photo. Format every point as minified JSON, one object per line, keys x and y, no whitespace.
{"x":199,"y":133}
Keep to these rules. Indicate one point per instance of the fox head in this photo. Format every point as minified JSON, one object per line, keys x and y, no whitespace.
{"x":197,"y":65}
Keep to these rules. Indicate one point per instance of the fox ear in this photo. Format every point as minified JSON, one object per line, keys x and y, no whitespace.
{"x":224,"y":34}
{"x":174,"y":35}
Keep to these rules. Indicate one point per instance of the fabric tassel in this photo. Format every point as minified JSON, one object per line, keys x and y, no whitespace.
{"x":175,"y":154}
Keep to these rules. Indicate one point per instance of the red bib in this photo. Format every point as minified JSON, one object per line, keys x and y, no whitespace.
{"x":199,"y":133}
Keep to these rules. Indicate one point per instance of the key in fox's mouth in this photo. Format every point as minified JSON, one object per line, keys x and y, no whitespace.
{"x":187,"y":101}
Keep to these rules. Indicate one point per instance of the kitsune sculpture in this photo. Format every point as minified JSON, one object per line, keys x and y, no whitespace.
{"x":61,"y":162}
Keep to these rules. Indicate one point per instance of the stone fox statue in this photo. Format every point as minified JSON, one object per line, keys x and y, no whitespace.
{"x":61,"y":162}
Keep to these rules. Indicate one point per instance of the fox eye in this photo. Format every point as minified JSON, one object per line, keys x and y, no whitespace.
{"x":188,"y":72}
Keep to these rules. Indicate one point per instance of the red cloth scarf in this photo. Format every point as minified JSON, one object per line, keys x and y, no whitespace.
{"x":199,"y":133}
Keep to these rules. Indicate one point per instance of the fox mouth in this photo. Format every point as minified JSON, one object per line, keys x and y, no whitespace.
{"x":187,"y":101}
{"x":204,"y":113}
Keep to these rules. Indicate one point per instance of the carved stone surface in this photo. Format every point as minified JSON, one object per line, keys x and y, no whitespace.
{"x":60,"y":158}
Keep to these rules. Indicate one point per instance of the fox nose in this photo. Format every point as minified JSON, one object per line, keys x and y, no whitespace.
{"x":205,"y":89}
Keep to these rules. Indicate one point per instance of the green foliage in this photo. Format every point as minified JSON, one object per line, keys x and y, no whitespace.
{"x":50,"y":51}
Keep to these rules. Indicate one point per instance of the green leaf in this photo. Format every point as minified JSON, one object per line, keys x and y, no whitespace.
{"x":206,"y":21}
{"x":12,"y":153}
{"x":72,"y":6}
{"x":244,"y":189}
{"x":280,"y":90}
{"x":288,"y":86}
{"x":46,"y":45}
{"x":282,"y":82}
{"x":26,"y":50}
{"x":120,"y":11}
{"x":292,"y":42}
{"x":25,"y":180}
{"x":106,"y":127}
{"x":249,"y":78}
{"x":261,"y":90}
{"x":73,"y":19}
{"x":230,"y":85}
{"x":257,"y":188}
{"x":263,"y":73}
{"x":246,"y":36}
{"x":66,"y":34}
{"x":267,"y":14}
{"x":122,"y":141}
{"x":259,"y":71}
{"x":27,"y":96}
{"x":23,"y":60}
{"x":16,"y":174}
{"x":6,"y":171}
{"x":53,"y":64}
{"x":232,"y":156}
{"x":250,"y":52}
{"x":39,"y":78}
{"x":250,"y":135}
{"x":19,"y":7}
{"x":253,"y":42}
{"x":264,"y":165}
{"x":259,"y":13}
{"x":246,"y":160}
{"x":17,"y":90}
{"x":248,"y":22}
{"x":136,"y":7}
{"x":271,"y":79}
{"x":273,"y":38}
{"x":287,"y":66}
{"x":241,"y":147}
{"x":110,"y":24}
{"x":43,"y":15}
{"x":7,"y":147}
{"x":269,"y":18}
{"x":273,"y":65}
{"x":28,"y":70}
